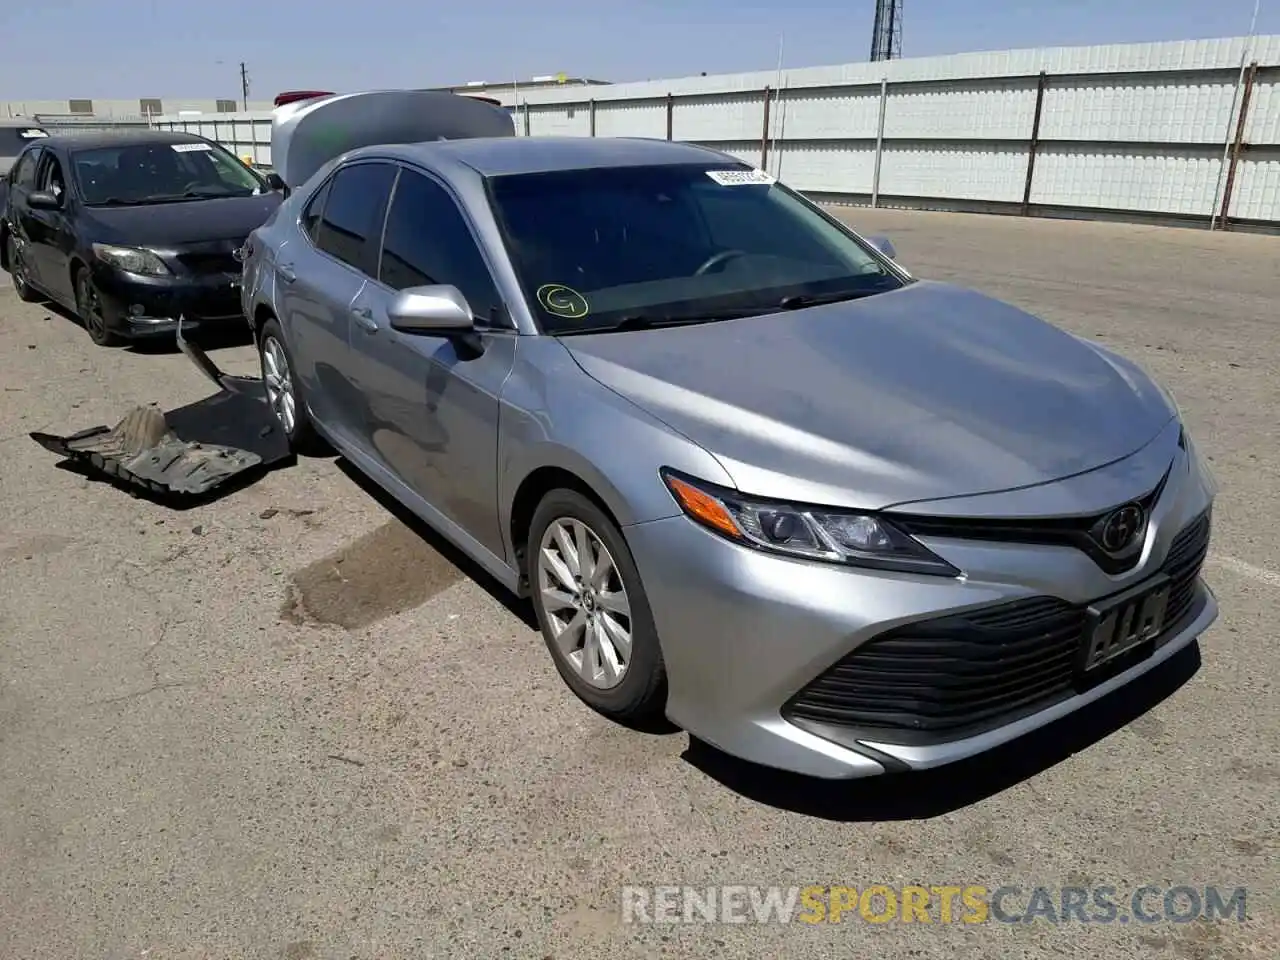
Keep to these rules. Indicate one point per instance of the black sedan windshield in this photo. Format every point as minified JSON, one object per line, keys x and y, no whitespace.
{"x":637,"y":246}
{"x":161,"y":172}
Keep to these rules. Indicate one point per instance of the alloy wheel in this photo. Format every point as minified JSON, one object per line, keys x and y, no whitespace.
{"x":585,"y":602}
{"x":279,"y":382}
{"x":17,"y":269}
{"x":90,"y":309}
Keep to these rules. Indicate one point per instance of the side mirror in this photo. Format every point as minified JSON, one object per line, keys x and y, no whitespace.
{"x":439,"y":311}
{"x":884,"y":245}
{"x":276,"y":182}
{"x":43,"y":200}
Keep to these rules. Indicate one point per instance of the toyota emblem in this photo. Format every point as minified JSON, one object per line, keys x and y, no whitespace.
{"x":1122,"y":528}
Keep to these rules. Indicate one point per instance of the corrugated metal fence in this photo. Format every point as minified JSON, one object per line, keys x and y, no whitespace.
{"x":1171,"y":130}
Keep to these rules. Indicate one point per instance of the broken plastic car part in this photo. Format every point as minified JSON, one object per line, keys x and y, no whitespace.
{"x":207,"y":447}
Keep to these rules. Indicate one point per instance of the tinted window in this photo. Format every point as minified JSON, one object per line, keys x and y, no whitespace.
{"x":353,"y":214}
{"x":427,"y":241}
{"x":51,"y":178}
{"x":24,"y":174}
{"x":591,"y":247}
{"x":315,"y":207}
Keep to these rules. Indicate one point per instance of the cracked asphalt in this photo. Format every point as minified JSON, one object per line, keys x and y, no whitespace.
{"x":289,"y":725}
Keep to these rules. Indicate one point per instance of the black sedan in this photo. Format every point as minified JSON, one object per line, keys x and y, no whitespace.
{"x":132,"y":230}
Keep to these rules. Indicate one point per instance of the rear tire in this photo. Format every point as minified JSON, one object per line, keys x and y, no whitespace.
{"x":18,"y":270}
{"x":284,"y":392}
{"x":583,"y":622}
{"x":90,"y":310}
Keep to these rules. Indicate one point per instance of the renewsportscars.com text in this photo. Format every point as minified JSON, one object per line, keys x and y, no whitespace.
{"x":966,"y":904}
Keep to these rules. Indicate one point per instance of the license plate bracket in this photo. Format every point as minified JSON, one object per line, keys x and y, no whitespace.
{"x":1122,"y":623}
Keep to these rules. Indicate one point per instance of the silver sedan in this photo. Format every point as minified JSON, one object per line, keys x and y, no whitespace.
{"x":754,"y":476}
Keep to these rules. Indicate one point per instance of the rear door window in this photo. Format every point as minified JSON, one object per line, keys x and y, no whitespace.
{"x":24,"y":172}
{"x":314,"y":210}
{"x":351,"y":225}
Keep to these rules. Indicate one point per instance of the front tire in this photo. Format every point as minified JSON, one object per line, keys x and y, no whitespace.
{"x":593,"y":611}
{"x":18,"y":270}
{"x":284,"y":394}
{"x":92,"y":313}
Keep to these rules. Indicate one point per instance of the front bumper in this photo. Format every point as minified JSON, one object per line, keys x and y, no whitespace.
{"x":744,"y":632}
{"x":139,"y":306}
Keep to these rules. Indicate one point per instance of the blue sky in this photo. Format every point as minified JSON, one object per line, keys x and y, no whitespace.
{"x":55,"y":49}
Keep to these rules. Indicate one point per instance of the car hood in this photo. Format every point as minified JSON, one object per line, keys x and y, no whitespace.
{"x":177,"y":224}
{"x":926,"y":392}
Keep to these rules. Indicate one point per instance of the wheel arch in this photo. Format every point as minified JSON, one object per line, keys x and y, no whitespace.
{"x":534,"y":486}
{"x":74,"y":267}
{"x":261,"y":314}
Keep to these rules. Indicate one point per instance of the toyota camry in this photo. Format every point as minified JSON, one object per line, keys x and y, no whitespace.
{"x":754,"y":475}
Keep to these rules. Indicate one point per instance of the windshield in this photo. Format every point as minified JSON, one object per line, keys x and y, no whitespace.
{"x":14,"y":139}
{"x":161,"y":173}
{"x":594,"y":249}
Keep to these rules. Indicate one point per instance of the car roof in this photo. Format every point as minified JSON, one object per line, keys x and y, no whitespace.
{"x":500,"y":156}
{"x":137,"y":137}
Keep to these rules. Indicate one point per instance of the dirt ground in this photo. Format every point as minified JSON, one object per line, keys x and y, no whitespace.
{"x":289,"y":725}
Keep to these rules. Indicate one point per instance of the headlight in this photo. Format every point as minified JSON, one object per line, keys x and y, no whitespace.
{"x":812,"y":533}
{"x":131,"y":259}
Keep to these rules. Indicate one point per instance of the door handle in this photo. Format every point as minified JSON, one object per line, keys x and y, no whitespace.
{"x":364,"y":317}
{"x":285,"y":270}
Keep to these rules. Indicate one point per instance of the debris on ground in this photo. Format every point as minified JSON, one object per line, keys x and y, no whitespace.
{"x":142,"y":450}
{"x":187,"y":454}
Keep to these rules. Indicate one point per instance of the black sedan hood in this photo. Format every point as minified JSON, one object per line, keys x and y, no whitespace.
{"x":179,"y":224}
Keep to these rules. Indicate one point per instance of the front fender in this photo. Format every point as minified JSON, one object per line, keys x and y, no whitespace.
{"x":554,"y":415}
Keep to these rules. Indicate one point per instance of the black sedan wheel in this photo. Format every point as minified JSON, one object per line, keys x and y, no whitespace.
{"x":90,"y":311}
{"x":18,"y":270}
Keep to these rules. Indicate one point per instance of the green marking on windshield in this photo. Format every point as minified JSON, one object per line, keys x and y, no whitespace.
{"x":561,"y":301}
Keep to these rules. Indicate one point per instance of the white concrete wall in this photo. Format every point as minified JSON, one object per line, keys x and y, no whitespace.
{"x":117,"y":109}
{"x":1137,"y":128}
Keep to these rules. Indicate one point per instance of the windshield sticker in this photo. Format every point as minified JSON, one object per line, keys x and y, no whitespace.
{"x":740,"y":178}
{"x":190,"y":147}
{"x":32,"y":134}
{"x":561,"y":301}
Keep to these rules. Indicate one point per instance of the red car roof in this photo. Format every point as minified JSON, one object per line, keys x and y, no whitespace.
{"x":292,"y":96}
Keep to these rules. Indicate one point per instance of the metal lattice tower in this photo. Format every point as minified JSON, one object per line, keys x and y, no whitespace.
{"x":886,"y":36}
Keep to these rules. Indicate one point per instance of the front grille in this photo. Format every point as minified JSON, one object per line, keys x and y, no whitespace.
{"x":1186,"y":557}
{"x":203,"y":264}
{"x":1078,"y":532}
{"x":963,"y":674}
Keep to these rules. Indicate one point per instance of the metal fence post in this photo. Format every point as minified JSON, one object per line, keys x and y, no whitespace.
{"x":1033,"y":145}
{"x":1236,"y":147}
{"x":671,"y":110}
{"x":764,"y":133}
{"x":591,"y":115}
{"x":875,"y":176}
{"x":526,"y":119}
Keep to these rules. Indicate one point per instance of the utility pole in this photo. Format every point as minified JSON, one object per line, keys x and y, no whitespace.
{"x":244,"y":84}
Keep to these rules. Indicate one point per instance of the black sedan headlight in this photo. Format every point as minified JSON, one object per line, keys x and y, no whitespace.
{"x":803,"y":532}
{"x":131,"y":259}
